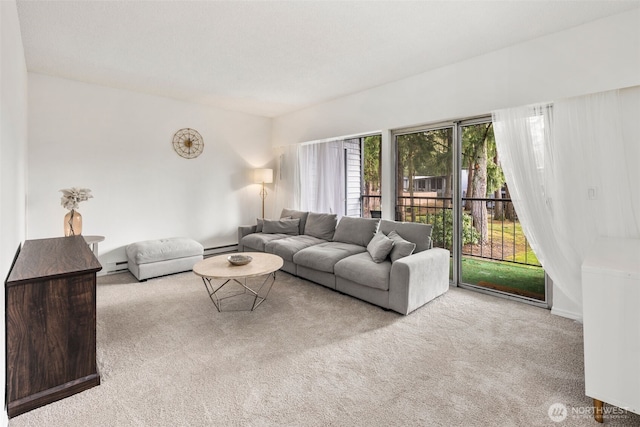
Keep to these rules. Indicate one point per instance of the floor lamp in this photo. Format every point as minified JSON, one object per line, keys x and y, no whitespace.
{"x":263,"y":176}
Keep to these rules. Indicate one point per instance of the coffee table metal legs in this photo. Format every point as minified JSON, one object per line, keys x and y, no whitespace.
{"x":258,"y":295}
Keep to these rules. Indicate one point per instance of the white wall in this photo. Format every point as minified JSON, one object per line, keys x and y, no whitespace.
{"x":119,"y":144}
{"x":594,"y":57}
{"x":598,"y":56}
{"x":13,"y":145}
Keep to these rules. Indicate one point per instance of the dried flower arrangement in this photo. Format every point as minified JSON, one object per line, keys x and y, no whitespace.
{"x":71,"y":197}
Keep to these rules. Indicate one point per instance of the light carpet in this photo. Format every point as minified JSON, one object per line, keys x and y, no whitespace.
{"x":309,"y":356}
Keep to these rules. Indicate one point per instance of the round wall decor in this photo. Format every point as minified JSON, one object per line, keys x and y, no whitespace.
{"x":188,"y":143}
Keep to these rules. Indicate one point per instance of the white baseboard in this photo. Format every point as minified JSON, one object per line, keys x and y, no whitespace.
{"x":116,"y":267}
{"x":220,"y":250}
{"x":568,"y":314}
{"x":113,"y":268}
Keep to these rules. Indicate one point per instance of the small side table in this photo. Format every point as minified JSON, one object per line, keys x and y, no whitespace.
{"x":93,"y":242}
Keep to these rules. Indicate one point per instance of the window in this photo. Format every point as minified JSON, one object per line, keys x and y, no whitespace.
{"x":341,"y":176}
{"x":371,"y":195}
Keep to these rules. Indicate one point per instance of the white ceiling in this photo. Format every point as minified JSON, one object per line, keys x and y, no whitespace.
{"x":273,"y":57}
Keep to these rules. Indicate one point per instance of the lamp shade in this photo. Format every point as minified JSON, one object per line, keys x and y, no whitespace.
{"x":263,"y":176}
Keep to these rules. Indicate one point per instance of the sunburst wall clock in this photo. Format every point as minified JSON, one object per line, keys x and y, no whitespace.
{"x":188,"y":143}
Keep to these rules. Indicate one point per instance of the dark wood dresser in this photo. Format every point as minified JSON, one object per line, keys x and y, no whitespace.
{"x":50,"y":297}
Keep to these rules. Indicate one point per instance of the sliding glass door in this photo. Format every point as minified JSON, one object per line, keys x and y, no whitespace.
{"x":495,"y":253}
{"x":425,"y":180}
{"x":450,"y":176}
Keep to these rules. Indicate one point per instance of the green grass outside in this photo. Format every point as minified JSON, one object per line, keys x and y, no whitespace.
{"x":504,"y":231}
{"x":508,"y":277}
{"x":509,"y":232}
{"x":520,"y":279}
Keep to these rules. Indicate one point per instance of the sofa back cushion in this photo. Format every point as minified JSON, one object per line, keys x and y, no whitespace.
{"x":282,"y":226}
{"x":358,"y":231}
{"x":302,"y":216}
{"x":414,"y":232}
{"x":321,"y":225}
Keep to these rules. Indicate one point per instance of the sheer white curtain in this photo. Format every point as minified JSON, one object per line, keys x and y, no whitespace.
{"x":322,"y":177}
{"x":569,"y":176}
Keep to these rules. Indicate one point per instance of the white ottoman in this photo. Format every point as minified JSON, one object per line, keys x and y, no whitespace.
{"x":153,"y":258}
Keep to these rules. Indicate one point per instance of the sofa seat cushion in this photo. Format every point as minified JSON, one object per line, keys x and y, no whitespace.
{"x":361,"y":269}
{"x":324,"y":256}
{"x":287,"y":248}
{"x":150,"y":251}
{"x":258,"y":241}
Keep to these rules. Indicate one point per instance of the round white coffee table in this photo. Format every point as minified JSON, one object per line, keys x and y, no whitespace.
{"x":219,"y":268}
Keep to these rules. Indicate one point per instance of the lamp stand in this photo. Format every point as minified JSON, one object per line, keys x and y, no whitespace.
{"x":263,"y":195}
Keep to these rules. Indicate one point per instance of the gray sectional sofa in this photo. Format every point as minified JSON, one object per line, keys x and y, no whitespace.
{"x":387,"y":263}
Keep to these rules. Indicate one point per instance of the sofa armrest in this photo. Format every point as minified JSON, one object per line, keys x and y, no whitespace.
{"x":417,"y":279}
{"x":244,"y":230}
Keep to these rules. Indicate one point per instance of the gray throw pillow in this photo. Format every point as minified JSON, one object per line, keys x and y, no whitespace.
{"x":358,"y":231}
{"x":379,"y":247}
{"x":283,"y":226}
{"x":260,"y":223}
{"x":401,"y":248}
{"x":302,"y":216}
{"x":321,"y":225}
{"x":414,"y":232}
